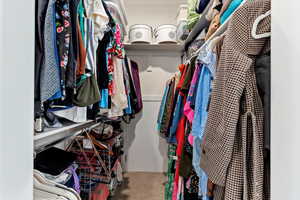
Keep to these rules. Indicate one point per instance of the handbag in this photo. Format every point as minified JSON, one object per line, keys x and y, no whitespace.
{"x":87,"y":91}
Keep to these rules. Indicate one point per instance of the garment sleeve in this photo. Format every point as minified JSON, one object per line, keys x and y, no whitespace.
{"x":197,"y":115}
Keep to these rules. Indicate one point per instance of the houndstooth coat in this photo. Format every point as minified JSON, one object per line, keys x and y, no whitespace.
{"x":232,"y":150}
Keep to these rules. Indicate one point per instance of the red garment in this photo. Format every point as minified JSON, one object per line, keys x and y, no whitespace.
{"x":180,"y":133}
{"x":183,"y":69}
{"x":101,"y":192}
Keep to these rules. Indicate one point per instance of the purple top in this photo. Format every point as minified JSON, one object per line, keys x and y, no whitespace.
{"x":137,"y":85}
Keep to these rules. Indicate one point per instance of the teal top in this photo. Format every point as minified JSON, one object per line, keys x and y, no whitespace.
{"x":80,"y":11}
{"x":231,"y":8}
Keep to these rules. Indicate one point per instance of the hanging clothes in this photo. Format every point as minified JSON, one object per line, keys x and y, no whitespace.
{"x":80,"y":60}
{"x":40,"y":15}
{"x":95,"y":11}
{"x":228,"y":137}
{"x":50,"y":83}
{"x":166,"y":115}
{"x":138,"y":106}
{"x":170,"y":172}
{"x":63,"y":35}
{"x":119,"y":97}
{"x":74,"y":47}
{"x":188,"y":110}
{"x":231,"y":8}
{"x":208,"y":60}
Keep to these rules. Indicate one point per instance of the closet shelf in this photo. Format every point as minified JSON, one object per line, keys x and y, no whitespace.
{"x":153,"y":48}
{"x":51,"y":135}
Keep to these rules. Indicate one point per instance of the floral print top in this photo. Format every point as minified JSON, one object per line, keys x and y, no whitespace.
{"x":115,"y":48}
{"x":63,"y":35}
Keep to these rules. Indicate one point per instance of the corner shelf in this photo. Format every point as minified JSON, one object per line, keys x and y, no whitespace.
{"x":154,"y":49}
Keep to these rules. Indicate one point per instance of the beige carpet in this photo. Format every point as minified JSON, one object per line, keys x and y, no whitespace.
{"x":141,"y":186}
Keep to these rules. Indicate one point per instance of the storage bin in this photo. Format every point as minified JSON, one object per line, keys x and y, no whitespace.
{"x":140,"y":33}
{"x":182,"y":13}
{"x":166,"y":34}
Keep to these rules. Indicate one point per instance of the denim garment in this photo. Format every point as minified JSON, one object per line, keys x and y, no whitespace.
{"x":208,"y":60}
{"x":203,"y":92}
{"x":162,"y":107}
{"x":231,"y":8}
{"x":176,"y":117}
{"x":193,"y":99}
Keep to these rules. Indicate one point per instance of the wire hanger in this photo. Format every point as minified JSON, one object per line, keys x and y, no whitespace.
{"x":255,"y":25}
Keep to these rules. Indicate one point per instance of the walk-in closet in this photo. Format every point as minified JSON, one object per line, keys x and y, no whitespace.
{"x":146,"y":100}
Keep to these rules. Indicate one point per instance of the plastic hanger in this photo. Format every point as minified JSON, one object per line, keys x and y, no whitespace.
{"x":42,"y":195}
{"x":42,"y":179}
{"x":41,"y":183}
{"x":214,"y":41}
{"x":255,"y":25}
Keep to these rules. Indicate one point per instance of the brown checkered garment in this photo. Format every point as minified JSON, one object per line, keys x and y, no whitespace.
{"x":232,"y":151}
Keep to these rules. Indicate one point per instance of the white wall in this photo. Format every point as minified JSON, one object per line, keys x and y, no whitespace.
{"x":285,"y":136}
{"x":152,"y":12}
{"x":16,"y":99}
{"x":145,"y":150}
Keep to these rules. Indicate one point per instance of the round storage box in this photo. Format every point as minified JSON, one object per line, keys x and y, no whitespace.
{"x":166,"y":34}
{"x":140,"y":33}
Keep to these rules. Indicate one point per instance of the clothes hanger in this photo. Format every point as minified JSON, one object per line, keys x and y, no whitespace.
{"x":38,"y":184}
{"x":42,"y":195}
{"x":214,"y":41}
{"x":40,"y":176}
{"x":255,"y":26}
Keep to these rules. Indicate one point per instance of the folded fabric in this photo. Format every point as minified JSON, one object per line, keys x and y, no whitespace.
{"x":53,"y":161}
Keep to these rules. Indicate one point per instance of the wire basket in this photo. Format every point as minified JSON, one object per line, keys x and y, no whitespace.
{"x":95,"y":162}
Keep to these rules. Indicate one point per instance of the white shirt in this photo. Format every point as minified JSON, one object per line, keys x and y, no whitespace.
{"x":95,"y":11}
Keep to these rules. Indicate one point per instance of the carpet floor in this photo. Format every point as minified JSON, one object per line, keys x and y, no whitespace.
{"x":141,"y":186}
